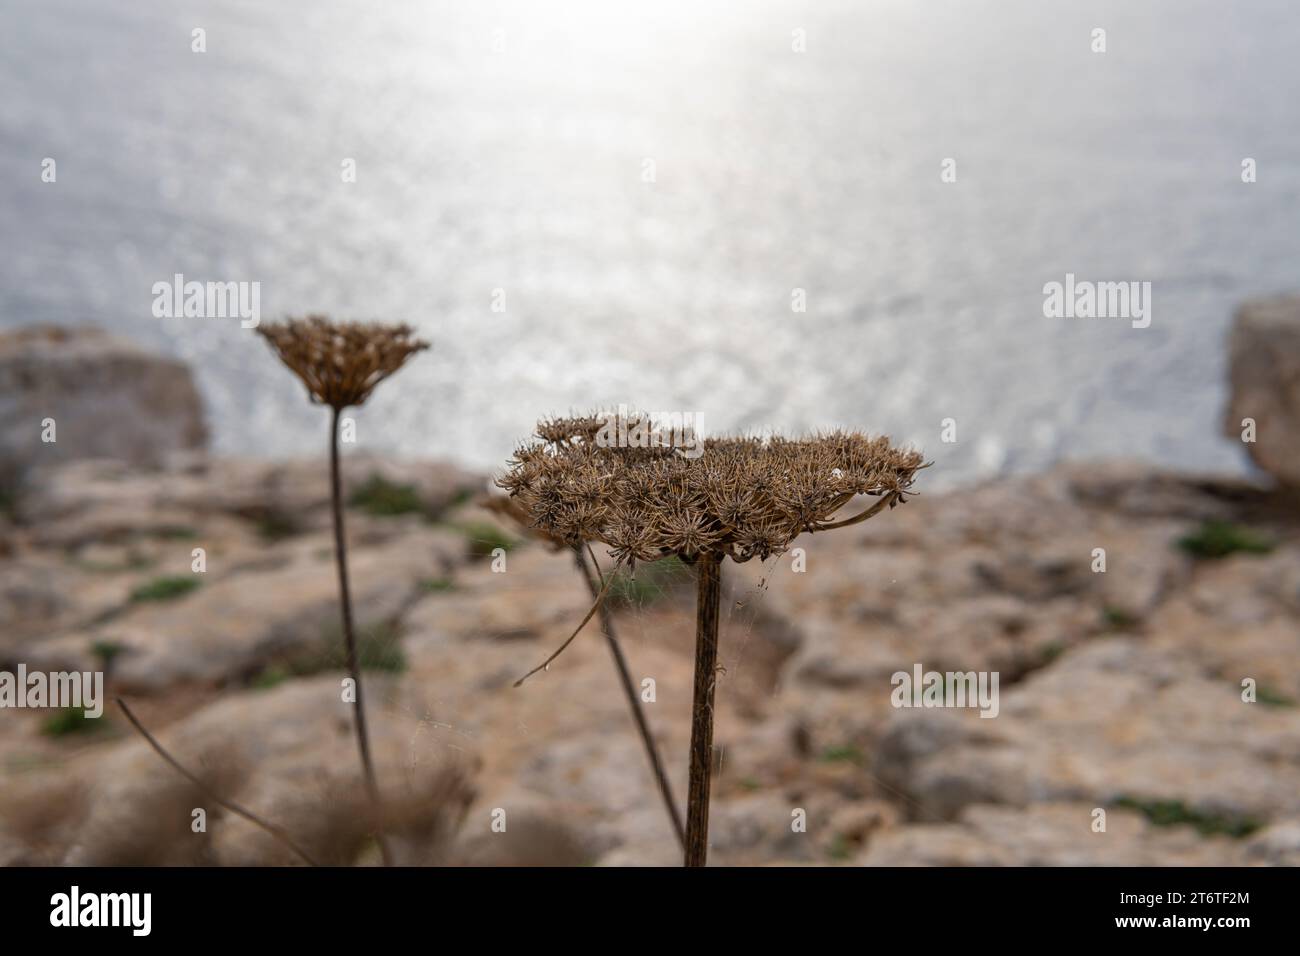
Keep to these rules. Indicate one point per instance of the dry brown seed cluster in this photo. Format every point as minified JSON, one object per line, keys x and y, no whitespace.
{"x":341,"y":362}
{"x":742,"y":498}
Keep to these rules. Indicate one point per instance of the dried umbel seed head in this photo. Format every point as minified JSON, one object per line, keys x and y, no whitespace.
{"x":742,"y":498}
{"x":341,"y":362}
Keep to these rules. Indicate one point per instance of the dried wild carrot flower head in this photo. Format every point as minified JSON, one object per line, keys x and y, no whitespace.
{"x":651,"y":492}
{"x":740,"y":498}
{"x":341,"y":362}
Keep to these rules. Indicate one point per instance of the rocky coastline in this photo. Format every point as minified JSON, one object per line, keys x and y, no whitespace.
{"x":1121,"y":687}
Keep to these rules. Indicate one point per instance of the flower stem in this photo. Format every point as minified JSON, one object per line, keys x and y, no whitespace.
{"x":230,"y":805}
{"x":350,"y":639}
{"x":708,"y":598}
{"x":629,"y":691}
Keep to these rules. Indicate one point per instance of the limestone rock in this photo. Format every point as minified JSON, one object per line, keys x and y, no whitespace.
{"x":229,"y":627}
{"x":1049,"y":834}
{"x":107,"y":397}
{"x":1110,"y":722}
{"x":1264,"y":379}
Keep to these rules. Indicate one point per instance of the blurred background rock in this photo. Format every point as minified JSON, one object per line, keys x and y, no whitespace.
{"x":1119,"y":690}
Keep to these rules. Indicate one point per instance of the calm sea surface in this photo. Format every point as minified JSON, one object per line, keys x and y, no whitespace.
{"x":505,"y":146}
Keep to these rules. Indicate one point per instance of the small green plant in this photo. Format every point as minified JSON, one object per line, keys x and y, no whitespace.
{"x":105,"y":652}
{"x":840,"y":849}
{"x":165,"y":588}
{"x":1118,"y":619}
{"x":174,"y":532}
{"x":1218,"y":539}
{"x":846,"y":753}
{"x":270,"y":676}
{"x":1272,"y":698}
{"x":437,"y":585}
{"x":384,"y":498}
{"x":484,"y":538}
{"x":276,"y":525}
{"x":1168,"y":813}
{"x":379,"y":648}
{"x":650,"y":582}
{"x":71,"y":720}
{"x":135,"y":561}
{"x":750,"y":783}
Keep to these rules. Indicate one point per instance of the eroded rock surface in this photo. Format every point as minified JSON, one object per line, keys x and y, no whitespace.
{"x":1123,"y":691}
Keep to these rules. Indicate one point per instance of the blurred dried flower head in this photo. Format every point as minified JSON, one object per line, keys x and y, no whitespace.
{"x":341,"y":362}
{"x":742,"y":498}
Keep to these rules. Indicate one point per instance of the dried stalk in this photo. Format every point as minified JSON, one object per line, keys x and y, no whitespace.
{"x":341,"y":363}
{"x":596,"y":605}
{"x":708,"y":599}
{"x":742,"y":498}
{"x":228,"y":805}
{"x":350,"y":639}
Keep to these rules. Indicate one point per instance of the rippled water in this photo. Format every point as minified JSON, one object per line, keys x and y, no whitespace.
{"x":502,"y":146}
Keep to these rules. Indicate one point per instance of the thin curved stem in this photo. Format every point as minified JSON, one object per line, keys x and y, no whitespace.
{"x":629,"y":691}
{"x":228,"y":805}
{"x":873,"y":510}
{"x":594,"y":563}
{"x":350,"y":638}
{"x":609,"y":579}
